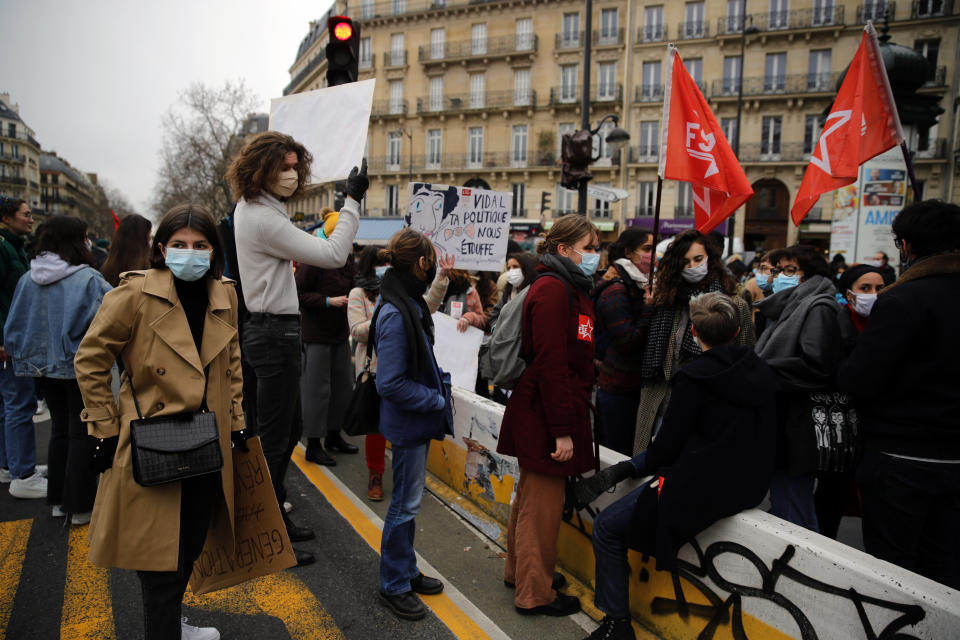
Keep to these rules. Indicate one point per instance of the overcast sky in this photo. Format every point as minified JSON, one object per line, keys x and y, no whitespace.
{"x":94,"y":78}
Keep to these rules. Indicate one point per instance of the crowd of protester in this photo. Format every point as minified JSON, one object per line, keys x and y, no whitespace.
{"x":706,"y":373}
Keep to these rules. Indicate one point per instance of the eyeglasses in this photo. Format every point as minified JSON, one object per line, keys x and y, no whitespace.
{"x":789,"y":270}
{"x":898,"y":243}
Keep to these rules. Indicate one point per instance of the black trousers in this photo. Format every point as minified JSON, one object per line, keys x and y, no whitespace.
{"x":911,"y":514}
{"x":163,"y":590}
{"x":272,"y":347}
{"x":70,"y":482}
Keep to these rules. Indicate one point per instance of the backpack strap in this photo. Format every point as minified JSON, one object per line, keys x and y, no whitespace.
{"x":371,"y":336}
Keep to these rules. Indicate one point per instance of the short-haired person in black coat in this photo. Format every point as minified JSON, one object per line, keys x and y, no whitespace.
{"x":714,"y":457}
{"x":903,"y":374}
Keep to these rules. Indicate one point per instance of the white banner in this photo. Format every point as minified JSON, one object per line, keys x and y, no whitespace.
{"x":457,"y":353}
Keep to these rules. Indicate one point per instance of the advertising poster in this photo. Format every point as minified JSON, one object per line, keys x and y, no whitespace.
{"x":843,"y":226}
{"x":471,"y":224}
{"x":883,"y":187}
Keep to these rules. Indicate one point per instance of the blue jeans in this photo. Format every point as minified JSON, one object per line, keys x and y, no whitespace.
{"x":398,"y":561}
{"x":791,"y":498}
{"x":18,"y":404}
{"x":618,"y":415}
{"x":613,"y":535}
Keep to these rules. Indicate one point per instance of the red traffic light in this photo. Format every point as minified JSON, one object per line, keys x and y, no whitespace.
{"x":342,"y":31}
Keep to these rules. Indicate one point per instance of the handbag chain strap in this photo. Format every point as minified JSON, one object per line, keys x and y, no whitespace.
{"x":136,"y":405}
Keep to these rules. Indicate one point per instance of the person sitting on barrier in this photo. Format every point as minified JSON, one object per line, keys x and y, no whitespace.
{"x":714,"y":456}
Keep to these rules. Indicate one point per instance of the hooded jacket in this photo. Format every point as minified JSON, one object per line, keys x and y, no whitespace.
{"x":51,"y":309}
{"x":715,"y":450}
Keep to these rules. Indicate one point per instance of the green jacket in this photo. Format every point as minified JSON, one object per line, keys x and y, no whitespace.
{"x":13,"y":264}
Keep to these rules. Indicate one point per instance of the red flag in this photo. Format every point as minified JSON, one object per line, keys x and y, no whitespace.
{"x":863,"y":123}
{"x":116,"y":220}
{"x":693,"y":149}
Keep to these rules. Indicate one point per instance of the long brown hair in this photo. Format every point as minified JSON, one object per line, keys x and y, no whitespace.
{"x":669,"y":276}
{"x":566,"y":230}
{"x":129,"y":249}
{"x":260,"y":162}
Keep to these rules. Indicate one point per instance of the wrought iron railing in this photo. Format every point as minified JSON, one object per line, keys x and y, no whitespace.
{"x":498,"y":46}
{"x":692,"y":30}
{"x":876,"y":11}
{"x":652,"y":33}
{"x":769,"y":152}
{"x":777,"y":84}
{"x":565,"y":40}
{"x":605,"y":38}
{"x":466,"y":102}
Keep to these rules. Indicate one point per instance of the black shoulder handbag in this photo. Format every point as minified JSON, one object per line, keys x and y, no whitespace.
{"x":171,"y":448}
{"x":363,"y":412}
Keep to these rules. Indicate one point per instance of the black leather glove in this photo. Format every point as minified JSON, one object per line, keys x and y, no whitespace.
{"x":103,"y":454}
{"x":239,"y":439}
{"x":357,"y":182}
{"x":589,"y":489}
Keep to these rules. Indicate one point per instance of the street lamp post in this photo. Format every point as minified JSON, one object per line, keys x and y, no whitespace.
{"x":585,"y":98}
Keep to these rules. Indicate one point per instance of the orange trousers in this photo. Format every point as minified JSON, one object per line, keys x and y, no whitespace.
{"x":532,"y":537}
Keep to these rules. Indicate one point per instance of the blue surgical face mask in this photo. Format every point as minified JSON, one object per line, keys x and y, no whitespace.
{"x":588,"y":262}
{"x":783,"y":281}
{"x":188,"y":264}
{"x":763,"y":281}
{"x":380,"y":270}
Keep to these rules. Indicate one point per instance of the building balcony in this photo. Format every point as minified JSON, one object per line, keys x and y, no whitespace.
{"x":644,"y":211}
{"x":648,"y":93}
{"x":609,"y":38}
{"x":651,"y":33}
{"x":565,"y":40}
{"x":876,"y":12}
{"x":937,"y":79}
{"x":765,"y":152}
{"x":304,"y":73}
{"x":936,"y":150}
{"x":395,"y":59}
{"x":598,"y":94}
{"x":386,"y":108}
{"x":795,"y":19}
{"x":798,"y":83}
{"x":448,"y":162}
{"x":367,"y":64}
{"x":503,"y":46}
{"x":643,"y":153}
{"x":20,"y":135}
{"x":693,"y":30}
{"x":489,"y":100}
{"x":17,"y":180}
{"x":921,"y":9}
{"x":13,"y":159}
{"x":683,"y":211}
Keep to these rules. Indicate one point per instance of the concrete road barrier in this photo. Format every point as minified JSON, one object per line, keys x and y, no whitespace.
{"x":748,"y":576}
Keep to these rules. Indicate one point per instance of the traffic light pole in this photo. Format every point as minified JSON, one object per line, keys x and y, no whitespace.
{"x":585,"y":97}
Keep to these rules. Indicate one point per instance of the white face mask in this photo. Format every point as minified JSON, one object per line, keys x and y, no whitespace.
{"x":695,"y":274}
{"x":875,"y":263}
{"x":287,"y":183}
{"x":515,"y":276}
{"x":863,"y":303}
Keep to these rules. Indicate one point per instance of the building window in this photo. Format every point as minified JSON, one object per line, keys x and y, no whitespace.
{"x":731,"y":74}
{"x":818,"y":76}
{"x":478,"y":39}
{"x":436,"y":93}
{"x":608,"y":26}
{"x":394,"y":149}
{"x":365,"y":60}
{"x":518,"y":146}
{"x":521,"y":87}
{"x":812,"y":127}
{"x":779,"y":14}
{"x":524,"y":33}
{"x":397,"y":51}
{"x":563,"y":128}
{"x":519,"y":190}
{"x":11,"y":130}
{"x":929,"y":8}
{"x":568,"y":83}
{"x":392,"y":207}
{"x":601,"y":149}
{"x":478,"y":83}
{"x":693,"y":26}
{"x":366,"y":9}
{"x":15,"y":150}
{"x":650,"y":80}
{"x":774,"y":78}
{"x":434,"y":148}
{"x":438,"y":40}
{"x":647,"y":201}
{"x":653,"y":30}
{"x":770,"y":138}
{"x":929,"y":49}
{"x":398,"y":7}
{"x":396,"y":96}
{"x":874,"y":10}
{"x":684,"y":207}
{"x":822,"y":12}
{"x":607,"y":81}
{"x":649,"y":146}
{"x":565,"y":201}
{"x":571,"y":30}
{"x":475,"y":147}
{"x":695,"y":69}
{"x":729,"y":128}
{"x":600,"y":208}
{"x":732,"y":20}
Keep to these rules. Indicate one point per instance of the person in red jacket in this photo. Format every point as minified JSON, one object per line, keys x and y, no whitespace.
{"x":546,"y":424}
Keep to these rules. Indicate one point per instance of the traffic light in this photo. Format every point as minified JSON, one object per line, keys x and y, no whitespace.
{"x":544,"y":201}
{"x":343,"y":50}
{"x":576,"y":154}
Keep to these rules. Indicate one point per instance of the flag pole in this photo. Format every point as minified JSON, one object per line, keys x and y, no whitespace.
{"x":656,"y":226}
{"x":910,"y":173}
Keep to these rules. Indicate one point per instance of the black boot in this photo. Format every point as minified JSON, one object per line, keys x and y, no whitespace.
{"x":297,"y":534}
{"x":316,"y":454}
{"x":613,"y":629}
{"x":303,"y":557}
{"x":335,"y":442}
{"x":404,"y":605}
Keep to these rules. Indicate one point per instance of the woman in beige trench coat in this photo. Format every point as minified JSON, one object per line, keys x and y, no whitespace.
{"x":168,"y":325}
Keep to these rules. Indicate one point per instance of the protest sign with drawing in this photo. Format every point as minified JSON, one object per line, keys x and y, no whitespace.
{"x":472,"y":224}
{"x":261,"y":544}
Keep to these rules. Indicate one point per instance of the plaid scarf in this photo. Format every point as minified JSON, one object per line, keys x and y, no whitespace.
{"x":662,"y":325}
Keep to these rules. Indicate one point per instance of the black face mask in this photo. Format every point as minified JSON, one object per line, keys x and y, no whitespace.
{"x":431,"y":273}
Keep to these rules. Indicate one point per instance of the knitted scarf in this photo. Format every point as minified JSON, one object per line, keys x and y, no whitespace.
{"x":405,"y":291}
{"x":370,"y":284}
{"x":658,"y":336}
{"x":568,"y":271}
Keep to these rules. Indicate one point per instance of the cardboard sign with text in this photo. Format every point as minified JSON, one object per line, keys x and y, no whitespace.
{"x":472,"y":224}
{"x":261,"y":545}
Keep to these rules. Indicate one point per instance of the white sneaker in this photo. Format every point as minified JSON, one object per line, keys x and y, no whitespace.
{"x":80,"y":518}
{"x":34,"y":486}
{"x":5,"y":475}
{"x":41,"y":406}
{"x":41,"y":469}
{"x":189,"y":632}
{"x":57,"y":511}
{"x":287,"y":507}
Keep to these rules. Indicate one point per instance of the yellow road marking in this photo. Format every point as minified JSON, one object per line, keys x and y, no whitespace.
{"x":13,"y":550}
{"x":449,"y":613}
{"x":281,"y":595}
{"x":87,"y":606}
